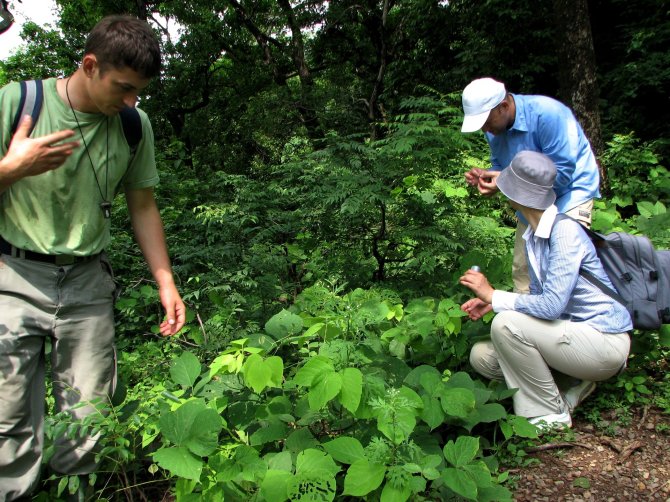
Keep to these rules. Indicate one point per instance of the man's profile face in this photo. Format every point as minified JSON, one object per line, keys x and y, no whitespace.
{"x":497,"y":121}
{"x":113,"y":89}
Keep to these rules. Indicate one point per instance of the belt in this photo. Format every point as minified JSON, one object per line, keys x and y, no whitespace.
{"x":55,"y":259}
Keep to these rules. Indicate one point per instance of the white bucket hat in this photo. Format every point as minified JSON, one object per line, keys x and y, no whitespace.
{"x":479,"y":98}
{"x":529,"y":180}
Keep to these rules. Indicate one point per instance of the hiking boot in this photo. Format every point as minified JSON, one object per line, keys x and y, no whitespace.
{"x":578,"y":393}
{"x":553,"y":421}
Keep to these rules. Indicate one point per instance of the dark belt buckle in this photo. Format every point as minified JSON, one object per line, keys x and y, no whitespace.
{"x":64,"y":259}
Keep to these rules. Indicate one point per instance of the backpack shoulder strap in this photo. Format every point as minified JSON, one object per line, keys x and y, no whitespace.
{"x":605,"y":289}
{"x":32,"y":97}
{"x":30,"y":103}
{"x":585,"y":273}
{"x":132,"y":126}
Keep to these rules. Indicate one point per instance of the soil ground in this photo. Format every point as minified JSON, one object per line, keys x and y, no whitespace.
{"x":628,"y":463}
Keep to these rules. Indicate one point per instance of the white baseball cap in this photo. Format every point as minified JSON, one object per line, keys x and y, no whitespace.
{"x":479,"y":98}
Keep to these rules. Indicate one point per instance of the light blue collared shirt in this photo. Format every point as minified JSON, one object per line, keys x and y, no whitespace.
{"x":545,"y":125}
{"x":556,"y":251}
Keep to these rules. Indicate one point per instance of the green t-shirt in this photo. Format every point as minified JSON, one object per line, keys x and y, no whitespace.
{"x":58,"y":212}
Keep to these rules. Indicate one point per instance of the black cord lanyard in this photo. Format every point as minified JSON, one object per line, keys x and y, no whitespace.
{"x":105,"y":205}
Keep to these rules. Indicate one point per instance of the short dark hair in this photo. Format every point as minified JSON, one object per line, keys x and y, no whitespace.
{"x":125,"y":41}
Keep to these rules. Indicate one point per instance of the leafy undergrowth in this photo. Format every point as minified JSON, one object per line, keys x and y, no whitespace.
{"x":342,"y":396}
{"x":339,"y":397}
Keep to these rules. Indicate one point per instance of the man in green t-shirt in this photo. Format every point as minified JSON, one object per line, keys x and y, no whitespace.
{"x":56,"y":283}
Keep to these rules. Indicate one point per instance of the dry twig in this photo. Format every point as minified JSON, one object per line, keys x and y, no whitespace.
{"x":628,"y":450}
{"x":554,"y":446}
{"x":607,"y":441}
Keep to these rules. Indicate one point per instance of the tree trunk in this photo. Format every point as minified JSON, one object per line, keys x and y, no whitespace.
{"x":378,"y":86}
{"x":577,"y":70}
{"x":304,"y":106}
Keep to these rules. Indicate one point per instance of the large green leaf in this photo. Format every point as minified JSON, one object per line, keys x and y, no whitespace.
{"x":457,"y":402}
{"x":490,"y":412}
{"x":494,"y":493}
{"x":274,"y":485}
{"x":397,"y":424}
{"x":461,"y":379}
{"x":374,"y":311}
{"x":421,"y":322}
{"x":313,"y":460}
{"x":185,"y":370}
{"x":363,"y":477}
{"x":260,"y":373}
{"x":431,"y":382}
{"x":282,"y":461}
{"x":522,"y":426}
{"x":256,"y":373}
{"x":314,"y":486}
{"x":283,"y":324}
{"x":325,"y":387}
{"x":313,"y":367}
{"x":180,"y":462}
{"x":276,"y":365}
{"x":412,"y":397}
{"x":300,"y":439}
{"x":432,"y":412}
{"x":416,"y":377}
{"x":345,"y":449}
{"x":460,"y":482}
{"x":485,"y":413}
{"x":192,"y":425}
{"x":480,"y":473}
{"x":273,"y":431}
{"x":392,"y":493}
{"x":352,"y":388}
{"x":461,"y":452}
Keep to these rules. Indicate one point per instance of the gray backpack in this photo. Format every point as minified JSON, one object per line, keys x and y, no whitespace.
{"x":640,"y":274}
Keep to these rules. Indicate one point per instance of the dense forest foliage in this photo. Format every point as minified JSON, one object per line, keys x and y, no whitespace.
{"x":317,"y":217}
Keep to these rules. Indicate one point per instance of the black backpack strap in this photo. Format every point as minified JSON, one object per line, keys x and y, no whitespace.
{"x":32,"y":97}
{"x":585,"y":273}
{"x":30,"y":103}
{"x":132,"y":126}
{"x":601,"y":285}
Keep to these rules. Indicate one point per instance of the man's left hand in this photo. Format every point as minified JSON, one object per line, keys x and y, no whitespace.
{"x":487,"y":185}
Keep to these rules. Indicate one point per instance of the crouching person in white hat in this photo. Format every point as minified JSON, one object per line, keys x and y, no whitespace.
{"x":565,"y":323}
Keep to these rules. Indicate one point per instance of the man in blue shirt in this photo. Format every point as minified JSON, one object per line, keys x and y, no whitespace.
{"x":515,"y":122}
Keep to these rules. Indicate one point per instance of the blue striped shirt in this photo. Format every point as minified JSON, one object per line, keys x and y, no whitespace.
{"x":555,"y":254}
{"x":544,"y":125}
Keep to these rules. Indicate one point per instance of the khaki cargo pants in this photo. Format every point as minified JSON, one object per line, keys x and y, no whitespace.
{"x":524,"y":350}
{"x":72,"y":307}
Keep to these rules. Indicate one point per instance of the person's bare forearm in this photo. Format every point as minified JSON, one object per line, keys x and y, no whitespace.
{"x":148,"y":229}
{"x":150,"y":236}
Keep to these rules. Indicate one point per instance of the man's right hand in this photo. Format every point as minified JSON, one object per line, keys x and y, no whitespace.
{"x":472,"y":176}
{"x":483,"y":179}
{"x":28,"y":156}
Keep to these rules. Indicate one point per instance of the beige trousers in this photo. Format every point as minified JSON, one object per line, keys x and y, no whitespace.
{"x":72,"y":307}
{"x":524,"y":349}
{"x":581,"y":213}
